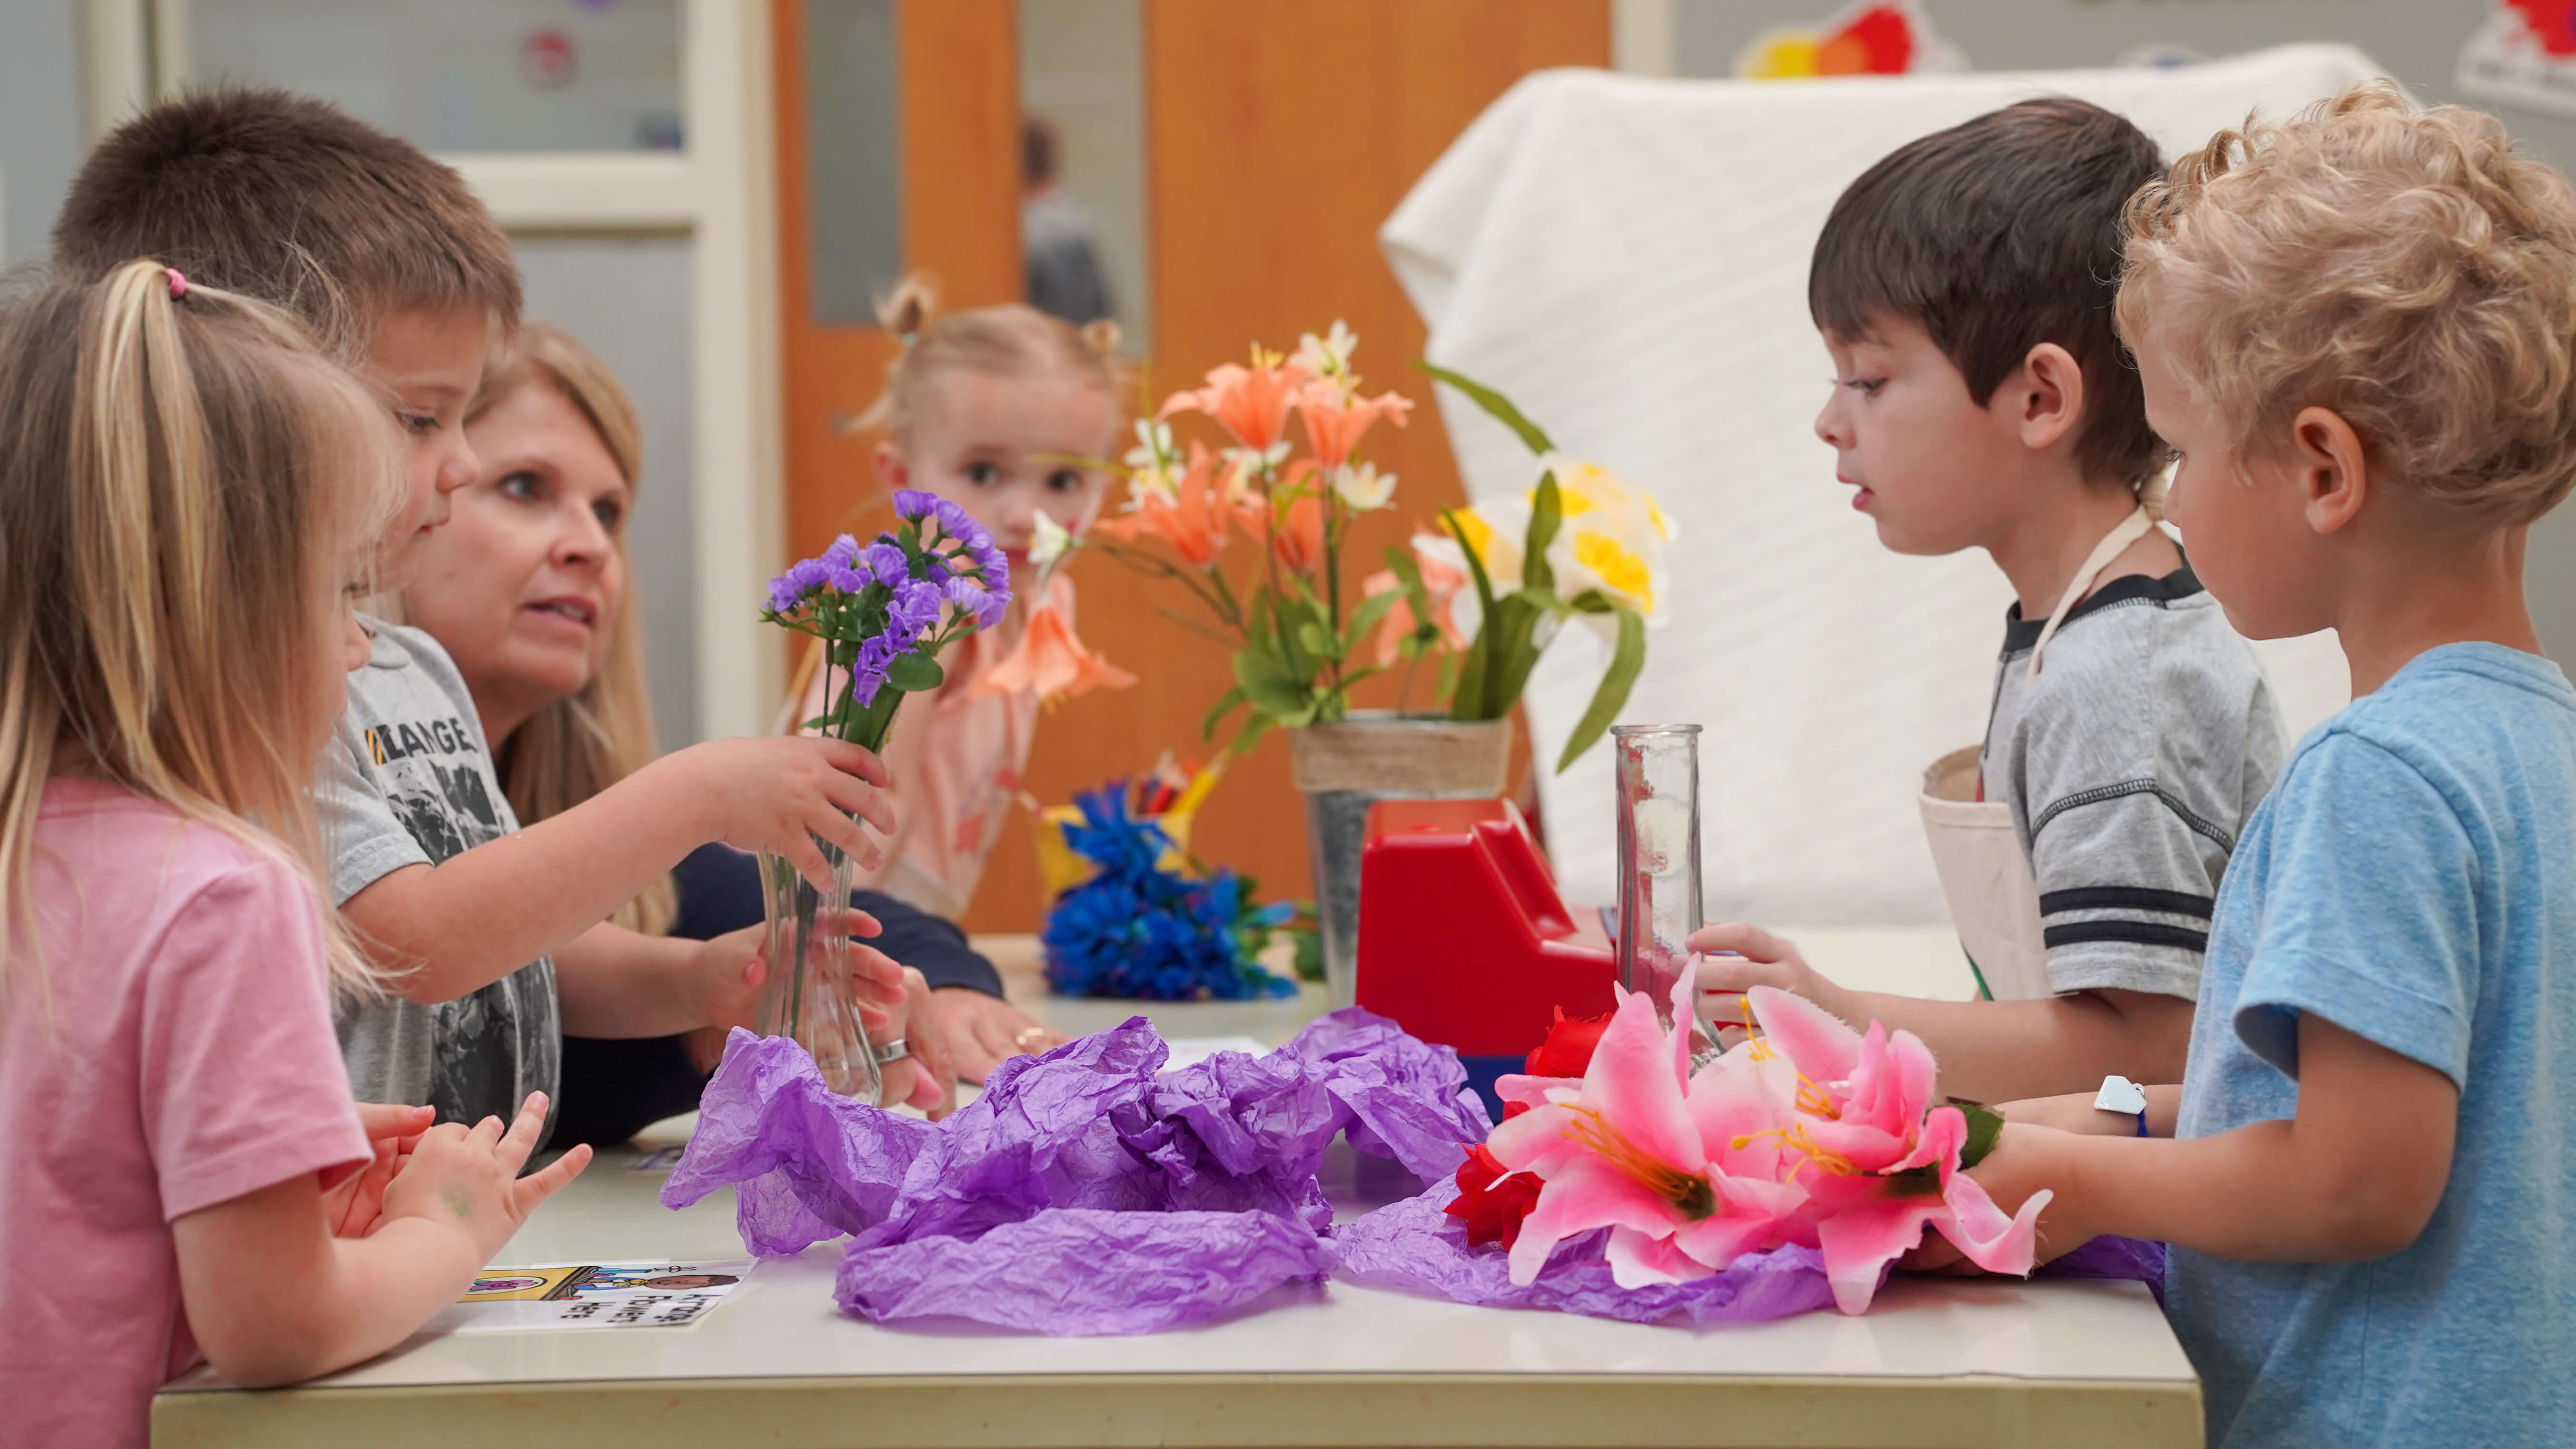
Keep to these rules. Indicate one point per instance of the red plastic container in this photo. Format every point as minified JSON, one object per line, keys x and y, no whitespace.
{"x":1463,"y":938}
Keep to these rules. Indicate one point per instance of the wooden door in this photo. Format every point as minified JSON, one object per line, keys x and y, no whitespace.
{"x":1280,"y":134}
{"x":959,"y":123}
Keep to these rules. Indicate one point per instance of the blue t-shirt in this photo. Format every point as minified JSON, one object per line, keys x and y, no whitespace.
{"x":2412,"y":879}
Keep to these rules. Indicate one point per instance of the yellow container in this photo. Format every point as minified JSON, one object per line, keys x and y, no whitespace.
{"x":1061,"y":867}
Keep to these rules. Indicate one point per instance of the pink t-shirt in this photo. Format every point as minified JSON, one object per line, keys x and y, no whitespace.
{"x":189,"y":1060}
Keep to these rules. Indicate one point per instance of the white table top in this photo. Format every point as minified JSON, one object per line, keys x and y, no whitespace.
{"x":1936,"y":1362}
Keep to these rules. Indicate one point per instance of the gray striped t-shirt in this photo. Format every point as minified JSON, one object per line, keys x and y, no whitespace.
{"x":2129,"y":765}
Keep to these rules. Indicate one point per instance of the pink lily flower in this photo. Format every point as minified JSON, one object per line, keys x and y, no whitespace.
{"x":1622,"y":1151}
{"x":1859,"y":1118}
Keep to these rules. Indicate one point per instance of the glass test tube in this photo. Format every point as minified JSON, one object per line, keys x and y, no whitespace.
{"x":1659,"y":903}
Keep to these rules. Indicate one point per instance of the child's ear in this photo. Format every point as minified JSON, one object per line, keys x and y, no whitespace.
{"x":890,"y":466}
{"x":2047,"y":397}
{"x":2332,"y":468}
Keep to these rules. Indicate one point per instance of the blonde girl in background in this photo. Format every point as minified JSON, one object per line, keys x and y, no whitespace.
{"x":530,"y":590}
{"x":188,"y":494}
{"x":995,"y":409}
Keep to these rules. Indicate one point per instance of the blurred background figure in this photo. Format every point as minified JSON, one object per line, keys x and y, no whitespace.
{"x":1057,"y":234}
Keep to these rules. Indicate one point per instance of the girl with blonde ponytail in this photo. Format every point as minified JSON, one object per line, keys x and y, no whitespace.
{"x":188,"y":496}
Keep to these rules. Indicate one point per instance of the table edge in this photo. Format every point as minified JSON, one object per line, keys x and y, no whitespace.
{"x":1233,"y":1410}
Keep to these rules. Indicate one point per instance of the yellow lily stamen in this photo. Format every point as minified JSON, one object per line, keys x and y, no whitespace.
{"x":1686,"y":1191}
{"x":1812,"y":1153}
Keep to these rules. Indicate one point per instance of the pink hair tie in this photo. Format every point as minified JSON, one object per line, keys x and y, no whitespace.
{"x":178,"y":284}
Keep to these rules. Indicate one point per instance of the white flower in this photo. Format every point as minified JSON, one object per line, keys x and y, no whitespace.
{"x":1154,"y":446}
{"x":1363,"y":487}
{"x":1051,"y":540}
{"x":1613,"y":537}
{"x":1330,"y":354}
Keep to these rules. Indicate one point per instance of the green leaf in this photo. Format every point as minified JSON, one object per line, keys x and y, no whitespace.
{"x":1485,"y":650}
{"x":1251,"y":733}
{"x":915,"y":672}
{"x":1985,"y":1128}
{"x":1592,"y":601}
{"x":1520,"y":612}
{"x":1366,"y":616}
{"x":1312,"y":638}
{"x":1494,"y":403}
{"x":1547,"y":514}
{"x":1924,"y":1181}
{"x":1231,"y":698}
{"x":1268,"y":687}
{"x":1627,"y":661}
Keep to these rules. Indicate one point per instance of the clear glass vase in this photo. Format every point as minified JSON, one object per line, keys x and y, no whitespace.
{"x":808,"y":995}
{"x":1659,"y":901}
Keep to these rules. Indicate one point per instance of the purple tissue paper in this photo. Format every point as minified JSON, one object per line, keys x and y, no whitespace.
{"x":1087,"y":1191}
{"x":1414,"y":1247}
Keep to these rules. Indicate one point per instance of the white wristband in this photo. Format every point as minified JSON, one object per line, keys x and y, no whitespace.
{"x":2119,"y":1094}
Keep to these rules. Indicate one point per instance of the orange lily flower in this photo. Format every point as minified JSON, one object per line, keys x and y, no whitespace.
{"x":1334,"y":423}
{"x":1192,"y":521}
{"x":1050,"y":660}
{"x":1298,"y":537}
{"x":1252,"y":402}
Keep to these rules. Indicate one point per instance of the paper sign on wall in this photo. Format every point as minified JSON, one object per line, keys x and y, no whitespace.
{"x":2525,"y":54}
{"x":558,"y":1296}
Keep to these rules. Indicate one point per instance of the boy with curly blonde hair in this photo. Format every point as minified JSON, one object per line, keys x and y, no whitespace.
{"x":2358,"y":332}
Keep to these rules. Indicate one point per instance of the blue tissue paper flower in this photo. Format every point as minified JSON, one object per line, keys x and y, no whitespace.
{"x":1138,"y":930}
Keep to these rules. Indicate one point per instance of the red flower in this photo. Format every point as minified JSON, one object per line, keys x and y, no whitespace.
{"x":1492,"y":1209}
{"x":1567,"y":1052}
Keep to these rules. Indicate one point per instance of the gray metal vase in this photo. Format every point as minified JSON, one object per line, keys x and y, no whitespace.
{"x":1345,"y":767}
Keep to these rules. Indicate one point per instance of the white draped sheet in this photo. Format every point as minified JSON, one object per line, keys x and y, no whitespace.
{"x":1627,"y":258}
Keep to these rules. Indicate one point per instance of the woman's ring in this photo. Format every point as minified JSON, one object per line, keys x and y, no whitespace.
{"x":889,"y":1052}
{"x":1021,"y":1040}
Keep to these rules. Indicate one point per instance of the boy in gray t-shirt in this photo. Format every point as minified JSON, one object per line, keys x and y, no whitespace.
{"x":1983,"y":400}
{"x":410,"y":782}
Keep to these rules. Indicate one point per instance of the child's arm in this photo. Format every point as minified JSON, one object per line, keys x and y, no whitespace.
{"x":468,"y":921}
{"x":1989,"y":1051}
{"x":2356,"y":1174}
{"x":273,"y":1297}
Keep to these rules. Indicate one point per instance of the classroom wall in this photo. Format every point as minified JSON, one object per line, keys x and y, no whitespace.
{"x":2417,"y":40}
{"x":627,"y":299}
{"x":40,"y":121}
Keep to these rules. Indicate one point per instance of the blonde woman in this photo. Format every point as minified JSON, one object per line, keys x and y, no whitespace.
{"x":530,"y":591}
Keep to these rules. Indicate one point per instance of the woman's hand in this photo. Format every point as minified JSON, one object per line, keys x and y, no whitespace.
{"x":983,"y":1031}
{"x":1761,"y":959}
{"x":355,"y":1205}
{"x":781,"y":795}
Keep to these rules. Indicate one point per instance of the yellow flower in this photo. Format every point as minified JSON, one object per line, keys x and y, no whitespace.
{"x":1623,"y":575}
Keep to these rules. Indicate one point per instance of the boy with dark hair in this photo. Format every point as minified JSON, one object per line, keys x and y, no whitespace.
{"x":1982,"y":399}
{"x":400,"y":270}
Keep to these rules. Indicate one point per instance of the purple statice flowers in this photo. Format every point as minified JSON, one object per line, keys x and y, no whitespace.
{"x":884,"y":609}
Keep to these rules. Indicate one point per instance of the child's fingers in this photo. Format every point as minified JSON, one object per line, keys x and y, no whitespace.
{"x":851,"y":759}
{"x":392,"y":1122}
{"x":1744,"y":940}
{"x":545,"y":1182}
{"x":521,"y":1139}
{"x":866,"y":801}
{"x":835,"y":828}
{"x":872,"y":967}
{"x":1740,"y":973}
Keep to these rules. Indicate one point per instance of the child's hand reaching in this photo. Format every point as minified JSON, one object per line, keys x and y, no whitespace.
{"x":781,"y":794}
{"x":466,"y":1180}
{"x":1760,"y":959}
